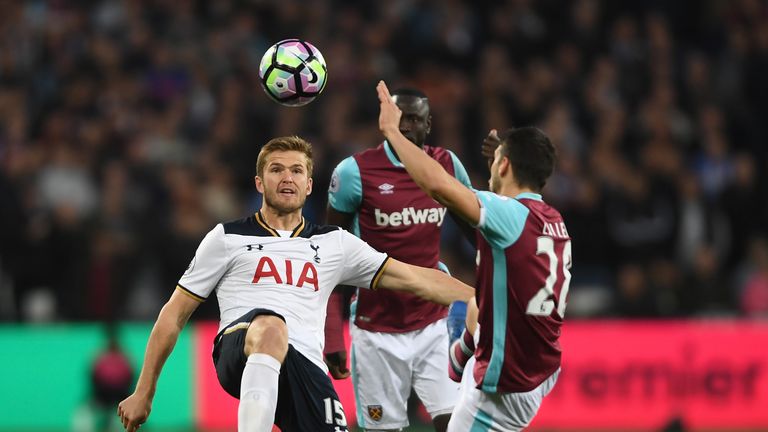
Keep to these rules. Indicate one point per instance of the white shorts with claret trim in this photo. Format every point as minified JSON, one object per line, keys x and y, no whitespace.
{"x":497,"y":412}
{"x":385,"y":366}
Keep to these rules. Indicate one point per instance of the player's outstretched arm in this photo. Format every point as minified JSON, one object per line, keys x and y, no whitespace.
{"x":430,"y":284}
{"x":135,"y":409}
{"x":425,"y":171}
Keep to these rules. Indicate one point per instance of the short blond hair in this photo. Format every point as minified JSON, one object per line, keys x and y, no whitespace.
{"x":287,"y":143}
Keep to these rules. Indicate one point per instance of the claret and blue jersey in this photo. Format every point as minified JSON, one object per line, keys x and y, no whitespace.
{"x":522,"y":283}
{"x":392,"y":214}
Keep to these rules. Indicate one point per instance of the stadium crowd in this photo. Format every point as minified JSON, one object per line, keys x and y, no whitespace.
{"x":129,"y":128}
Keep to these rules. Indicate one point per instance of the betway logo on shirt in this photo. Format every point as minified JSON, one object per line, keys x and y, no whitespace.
{"x":410,"y":216}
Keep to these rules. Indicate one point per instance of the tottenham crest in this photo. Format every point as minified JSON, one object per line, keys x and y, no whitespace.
{"x":375,"y":412}
{"x":315,"y":248}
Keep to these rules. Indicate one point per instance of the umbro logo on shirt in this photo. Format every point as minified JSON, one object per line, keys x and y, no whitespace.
{"x":386,"y":188}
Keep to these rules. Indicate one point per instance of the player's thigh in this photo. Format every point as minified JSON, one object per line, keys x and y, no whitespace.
{"x":381,"y":376}
{"x":463,"y":413}
{"x":267,"y":334}
{"x":228,"y":355}
{"x":306,"y":399}
{"x":478,"y":410}
{"x":436,"y":390}
{"x":519,"y":409}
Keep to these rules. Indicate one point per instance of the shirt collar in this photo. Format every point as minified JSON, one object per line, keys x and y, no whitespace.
{"x":529,"y":195}
{"x":391,"y":155}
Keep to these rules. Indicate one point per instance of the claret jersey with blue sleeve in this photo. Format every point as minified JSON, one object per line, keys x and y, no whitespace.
{"x":392,"y":214}
{"x":522,"y":283}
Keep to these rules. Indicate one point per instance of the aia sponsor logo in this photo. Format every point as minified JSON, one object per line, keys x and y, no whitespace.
{"x":267,"y":269}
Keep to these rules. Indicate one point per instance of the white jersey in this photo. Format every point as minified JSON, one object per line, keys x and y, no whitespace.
{"x":251,"y":266}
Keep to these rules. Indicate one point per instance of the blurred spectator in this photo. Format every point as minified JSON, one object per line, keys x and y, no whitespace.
{"x":701,"y":224}
{"x":745,"y":204}
{"x":112,"y":376}
{"x":112,"y":380}
{"x":634,"y":298}
{"x":641,"y":218}
{"x":707,"y":291}
{"x":128,"y":128}
{"x":667,"y":285}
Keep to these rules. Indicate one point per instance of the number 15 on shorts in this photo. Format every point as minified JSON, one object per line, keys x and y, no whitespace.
{"x":334,"y":414}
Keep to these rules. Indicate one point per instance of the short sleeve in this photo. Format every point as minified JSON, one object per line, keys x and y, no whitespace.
{"x":208,"y":265}
{"x":345,"y":192}
{"x":459,"y":171}
{"x":443,"y":268}
{"x":502,"y":219}
{"x":363,"y":265}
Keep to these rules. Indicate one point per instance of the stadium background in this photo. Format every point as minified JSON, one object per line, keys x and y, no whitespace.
{"x":129,"y":128}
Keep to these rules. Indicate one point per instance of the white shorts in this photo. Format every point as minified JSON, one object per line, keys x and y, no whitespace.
{"x":386,"y":365}
{"x":498,"y":412}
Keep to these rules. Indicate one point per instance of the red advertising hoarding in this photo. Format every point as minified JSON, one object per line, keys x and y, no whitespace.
{"x":640,"y":375}
{"x":616,"y":375}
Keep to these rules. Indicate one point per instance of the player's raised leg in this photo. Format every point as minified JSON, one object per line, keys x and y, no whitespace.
{"x":266,"y":344}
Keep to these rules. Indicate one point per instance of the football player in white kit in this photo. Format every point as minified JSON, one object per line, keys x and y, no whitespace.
{"x":273,"y":273}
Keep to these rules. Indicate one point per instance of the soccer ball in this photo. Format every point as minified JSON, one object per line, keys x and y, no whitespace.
{"x":293,"y":72}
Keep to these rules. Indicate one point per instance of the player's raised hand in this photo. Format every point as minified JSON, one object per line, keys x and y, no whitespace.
{"x":389,"y":114}
{"x":489,"y":146}
{"x":133,"y":411}
{"x":337,"y":364}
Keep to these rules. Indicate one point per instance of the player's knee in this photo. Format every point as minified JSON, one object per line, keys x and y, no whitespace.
{"x":268,"y":335}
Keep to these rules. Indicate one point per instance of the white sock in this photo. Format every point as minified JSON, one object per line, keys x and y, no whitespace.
{"x":258,"y":394}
